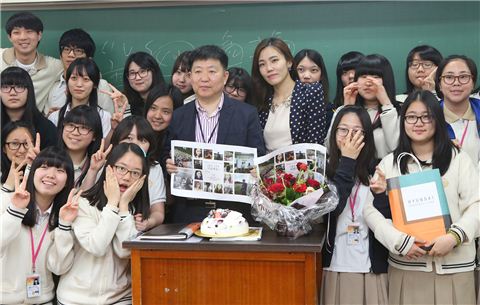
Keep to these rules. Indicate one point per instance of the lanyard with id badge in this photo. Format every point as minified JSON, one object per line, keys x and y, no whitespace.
{"x":353,"y":228}
{"x":33,"y":282}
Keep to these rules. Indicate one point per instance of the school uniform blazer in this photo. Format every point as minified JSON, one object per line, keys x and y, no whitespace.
{"x":238,"y":125}
{"x":475,"y":104}
{"x":308,"y":116}
{"x":463,"y":202}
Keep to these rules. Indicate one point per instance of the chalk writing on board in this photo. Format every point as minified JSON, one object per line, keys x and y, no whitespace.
{"x":234,"y":50}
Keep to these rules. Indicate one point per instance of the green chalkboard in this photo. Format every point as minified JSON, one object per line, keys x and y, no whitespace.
{"x":332,"y":28}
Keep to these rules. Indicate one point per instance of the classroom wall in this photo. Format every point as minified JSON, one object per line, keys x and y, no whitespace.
{"x":332,"y":28}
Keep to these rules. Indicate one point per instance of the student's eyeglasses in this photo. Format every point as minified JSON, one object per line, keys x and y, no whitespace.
{"x":76,"y":51}
{"x":462,"y":79}
{"x":425,"y":64}
{"x":240,"y":91}
{"x":122,"y":170}
{"x":16,"y":88}
{"x":413,"y":119}
{"x":343,"y":132}
{"x":16,"y":145}
{"x":82,"y":129}
{"x":133,"y":74}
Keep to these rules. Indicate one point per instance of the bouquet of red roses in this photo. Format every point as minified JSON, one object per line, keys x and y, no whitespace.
{"x":289,"y":203}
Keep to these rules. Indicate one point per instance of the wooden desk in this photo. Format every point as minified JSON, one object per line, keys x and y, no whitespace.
{"x":275,"y":270}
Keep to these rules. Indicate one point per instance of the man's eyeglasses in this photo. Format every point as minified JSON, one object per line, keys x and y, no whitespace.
{"x":133,"y":74}
{"x":462,"y":79}
{"x":16,"y":88}
{"x":413,"y":119}
{"x":82,"y":129}
{"x":76,"y":51}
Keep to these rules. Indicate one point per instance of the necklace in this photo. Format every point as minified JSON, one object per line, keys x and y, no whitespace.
{"x":286,"y":102}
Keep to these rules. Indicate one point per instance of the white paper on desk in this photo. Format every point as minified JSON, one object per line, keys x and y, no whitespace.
{"x":213,"y":171}
{"x":193,"y":239}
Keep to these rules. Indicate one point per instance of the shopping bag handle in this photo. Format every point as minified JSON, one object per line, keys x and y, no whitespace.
{"x":403,"y":154}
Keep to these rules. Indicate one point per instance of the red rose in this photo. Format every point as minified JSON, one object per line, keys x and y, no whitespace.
{"x":289,"y":180}
{"x":302,"y":166}
{"x":268,"y":181}
{"x":313,"y":183}
{"x":300,"y":188}
{"x":276,"y":188}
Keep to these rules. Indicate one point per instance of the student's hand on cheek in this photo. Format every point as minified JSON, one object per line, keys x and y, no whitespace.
{"x":428,"y":82}
{"x":69,"y":211}
{"x":21,"y":197}
{"x":130,"y":193}
{"x":111,"y":188}
{"x":378,"y":184}
{"x":352,"y":145}
{"x":380,"y":92}
{"x":350,"y":93}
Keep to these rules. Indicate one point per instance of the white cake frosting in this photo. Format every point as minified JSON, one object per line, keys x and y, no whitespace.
{"x":224,"y":222}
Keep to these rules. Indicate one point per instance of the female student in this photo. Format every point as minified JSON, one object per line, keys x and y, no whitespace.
{"x":100,"y":273}
{"x":311,"y":69}
{"x":374,"y":89}
{"x":81,"y":135}
{"x":135,"y":129}
{"x":239,"y":85}
{"x":181,"y":79}
{"x":355,"y":264}
{"x":82,"y":79}
{"x":456,"y":77}
{"x":140,"y":75}
{"x":33,"y":219}
{"x":290,"y":112}
{"x":422,"y":62}
{"x":159,"y":108}
{"x":444,"y":274}
{"x":345,"y":74}
{"x":16,"y":136}
{"x":18,"y":103}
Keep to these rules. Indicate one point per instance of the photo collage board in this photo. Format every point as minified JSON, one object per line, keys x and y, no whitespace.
{"x":213,"y":171}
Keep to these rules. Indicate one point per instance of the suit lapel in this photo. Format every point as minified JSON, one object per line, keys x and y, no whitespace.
{"x":224,"y":120}
{"x":190,"y":122}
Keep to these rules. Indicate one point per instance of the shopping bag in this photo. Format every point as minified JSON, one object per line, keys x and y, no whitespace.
{"x":418,"y":203}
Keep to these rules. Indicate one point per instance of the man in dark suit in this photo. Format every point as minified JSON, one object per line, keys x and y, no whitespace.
{"x":212,"y":118}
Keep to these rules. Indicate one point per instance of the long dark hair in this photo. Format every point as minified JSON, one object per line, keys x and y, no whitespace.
{"x":6,"y":130}
{"x":378,"y":65}
{"x":443,"y":146}
{"x":87,"y":116}
{"x":82,"y":67}
{"x":261,"y":89}
{"x":144,"y":131}
{"x":144,"y":61}
{"x":348,"y":61}
{"x":17,"y":76}
{"x":367,"y":153}
{"x":425,"y":52}
{"x":318,"y":60}
{"x":51,"y":157}
{"x":141,"y":202}
{"x":182,"y":63}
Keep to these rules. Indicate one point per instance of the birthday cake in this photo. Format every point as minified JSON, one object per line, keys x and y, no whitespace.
{"x":224,"y":222}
